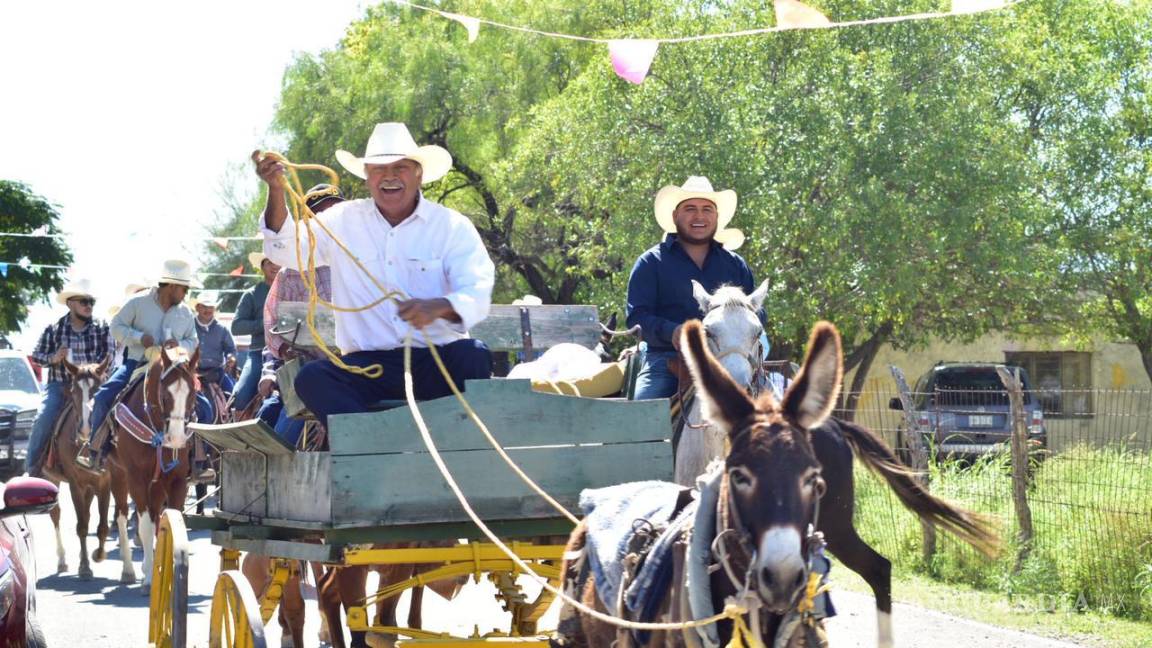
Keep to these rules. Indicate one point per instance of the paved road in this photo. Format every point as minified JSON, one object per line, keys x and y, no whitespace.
{"x":102,"y":613}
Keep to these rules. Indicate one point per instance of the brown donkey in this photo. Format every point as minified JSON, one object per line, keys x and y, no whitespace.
{"x":71,"y":433}
{"x":783,"y":463}
{"x":153,"y":471}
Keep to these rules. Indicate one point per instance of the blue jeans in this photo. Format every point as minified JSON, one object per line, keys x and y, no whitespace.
{"x":106,"y":395}
{"x":249,"y":379}
{"x":273,"y":413}
{"x":205,"y":411}
{"x":327,"y":389}
{"x":655,"y":380}
{"x":55,"y":396}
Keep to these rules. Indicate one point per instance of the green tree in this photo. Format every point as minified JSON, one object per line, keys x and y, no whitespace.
{"x":23,"y":211}
{"x":239,"y":215}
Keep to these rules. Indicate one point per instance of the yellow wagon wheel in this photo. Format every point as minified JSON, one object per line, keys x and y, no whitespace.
{"x":168,"y":606}
{"x":235,"y":617}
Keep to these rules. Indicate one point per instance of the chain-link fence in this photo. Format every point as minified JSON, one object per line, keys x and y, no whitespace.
{"x":1087,"y":489}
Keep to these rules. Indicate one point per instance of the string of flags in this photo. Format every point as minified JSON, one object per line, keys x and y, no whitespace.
{"x":632,"y":57}
{"x":221,"y":241}
{"x":25,"y":264}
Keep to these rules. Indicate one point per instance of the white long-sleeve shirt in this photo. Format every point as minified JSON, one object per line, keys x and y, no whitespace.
{"x":436,"y":252}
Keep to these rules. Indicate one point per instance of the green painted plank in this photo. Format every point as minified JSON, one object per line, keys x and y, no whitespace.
{"x":280,"y":548}
{"x":244,"y":483}
{"x":515,"y":414}
{"x":550,"y":324}
{"x":243,"y":436}
{"x":299,"y":487}
{"x":501,"y":330}
{"x":408,"y":489}
{"x":205,"y":523}
{"x":504,"y":529}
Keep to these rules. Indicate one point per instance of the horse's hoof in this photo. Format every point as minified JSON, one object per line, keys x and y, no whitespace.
{"x":286,"y":642}
{"x":61,"y":567}
{"x":85,"y":573}
{"x":127,"y":579}
{"x":98,"y":555}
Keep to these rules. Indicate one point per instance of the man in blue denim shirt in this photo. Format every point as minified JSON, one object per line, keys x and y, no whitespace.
{"x":697,"y":245}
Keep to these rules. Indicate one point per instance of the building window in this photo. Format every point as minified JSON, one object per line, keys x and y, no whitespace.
{"x":1061,"y":380}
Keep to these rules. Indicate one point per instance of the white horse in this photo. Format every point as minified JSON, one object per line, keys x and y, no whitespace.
{"x":732,"y":324}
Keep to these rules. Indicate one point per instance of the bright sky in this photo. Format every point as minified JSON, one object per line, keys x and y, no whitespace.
{"x":129,"y":114}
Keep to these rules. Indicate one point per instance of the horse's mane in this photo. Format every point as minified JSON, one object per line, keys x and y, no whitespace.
{"x":730,"y":297}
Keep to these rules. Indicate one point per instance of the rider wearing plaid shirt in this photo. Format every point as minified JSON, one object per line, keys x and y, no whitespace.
{"x":78,"y":338}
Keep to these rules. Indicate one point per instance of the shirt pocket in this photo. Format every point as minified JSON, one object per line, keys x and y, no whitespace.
{"x":423,"y":277}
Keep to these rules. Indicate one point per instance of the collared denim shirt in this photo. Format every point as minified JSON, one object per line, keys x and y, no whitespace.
{"x":660,"y":287}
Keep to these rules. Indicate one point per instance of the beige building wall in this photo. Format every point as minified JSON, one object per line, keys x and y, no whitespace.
{"x":1118,"y":404}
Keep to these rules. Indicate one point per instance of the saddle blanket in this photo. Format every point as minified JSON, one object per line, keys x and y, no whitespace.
{"x":611,"y":516}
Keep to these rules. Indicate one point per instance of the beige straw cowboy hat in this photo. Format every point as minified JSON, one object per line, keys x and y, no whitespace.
{"x":700,"y":187}
{"x":178,"y":272}
{"x":77,"y":288}
{"x":391,"y":142}
{"x":209,"y":298}
{"x":256,"y":260}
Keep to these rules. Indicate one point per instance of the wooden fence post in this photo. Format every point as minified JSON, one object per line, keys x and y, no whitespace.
{"x":1019,"y":446}
{"x":918,"y":451}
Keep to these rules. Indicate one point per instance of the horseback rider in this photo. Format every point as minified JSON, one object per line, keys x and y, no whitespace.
{"x":149,"y":319}
{"x":249,"y":320}
{"x":697,"y":245}
{"x":216,"y":349}
{"x":76,"y":337}
{"x":433,"y":255}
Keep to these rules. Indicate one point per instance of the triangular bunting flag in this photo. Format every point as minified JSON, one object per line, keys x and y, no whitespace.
{"x":221,"y":241}
{"x":793,"y":14}
{"x":975,"y":6}
{"x":238,"y":271}
{"x":470,"y":23}
{"x":632,"y":58}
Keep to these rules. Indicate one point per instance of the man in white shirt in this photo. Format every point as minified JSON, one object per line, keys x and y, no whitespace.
{"x":431,"y":254}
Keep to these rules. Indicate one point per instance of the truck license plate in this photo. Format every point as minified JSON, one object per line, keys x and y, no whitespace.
{"x":980,"y":420}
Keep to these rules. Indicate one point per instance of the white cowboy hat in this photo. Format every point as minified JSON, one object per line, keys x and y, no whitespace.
{"x":256,"y":260}
{"x":391,"y":142}
{"x":700,"y":187}
{"x":136,"y":286}
{"x":209,"y":298}
{"x":77,"y":288}
{"x":179,"y":272}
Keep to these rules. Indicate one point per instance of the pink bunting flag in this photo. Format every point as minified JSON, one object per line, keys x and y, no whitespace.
{"x":222,"y":242}
{"x":632,"y":58}
{"x":238,"y":271}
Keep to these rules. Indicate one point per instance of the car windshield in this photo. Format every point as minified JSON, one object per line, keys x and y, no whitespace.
{"x":974,"y":386}
{"x":15,"y":376}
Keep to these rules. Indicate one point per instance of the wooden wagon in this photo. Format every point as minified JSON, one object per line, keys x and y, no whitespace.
{"x":378,"y":484}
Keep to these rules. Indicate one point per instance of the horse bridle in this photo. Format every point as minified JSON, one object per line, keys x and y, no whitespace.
{"x":731,"y":529}
{"x":159,"y":406}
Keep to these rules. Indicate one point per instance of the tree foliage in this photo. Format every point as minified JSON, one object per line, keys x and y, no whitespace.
{"x":920,"y":180}
{"x":23,"y":211}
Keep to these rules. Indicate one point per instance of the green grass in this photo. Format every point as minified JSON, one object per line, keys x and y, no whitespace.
{"x":1092,"y":515}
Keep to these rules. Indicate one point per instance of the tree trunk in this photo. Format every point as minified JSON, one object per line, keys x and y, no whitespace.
{"x":861,"y":359}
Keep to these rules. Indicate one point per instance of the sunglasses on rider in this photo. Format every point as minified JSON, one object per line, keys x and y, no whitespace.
{"x":84,"y":301}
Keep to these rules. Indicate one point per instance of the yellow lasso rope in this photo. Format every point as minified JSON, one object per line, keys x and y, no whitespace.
{"x":742,"y":637}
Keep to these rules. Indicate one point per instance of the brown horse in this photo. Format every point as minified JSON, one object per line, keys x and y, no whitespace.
{"x":70,"y":433}
{"x":154,"y":472}
{"x":771,"y":488}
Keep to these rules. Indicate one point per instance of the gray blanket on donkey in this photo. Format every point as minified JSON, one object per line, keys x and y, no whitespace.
{"x":610,"y":515}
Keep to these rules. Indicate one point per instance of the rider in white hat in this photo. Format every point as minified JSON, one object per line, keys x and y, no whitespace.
{"x":697,"y":245}
{"x":157,"y":317}
{"x":76,"y":337}
{"x":430,"y":254}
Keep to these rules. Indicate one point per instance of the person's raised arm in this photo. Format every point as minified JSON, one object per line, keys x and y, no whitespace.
{"x":272,"y":173}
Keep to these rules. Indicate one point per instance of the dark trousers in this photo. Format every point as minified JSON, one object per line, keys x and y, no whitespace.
{"x":327,"y":389}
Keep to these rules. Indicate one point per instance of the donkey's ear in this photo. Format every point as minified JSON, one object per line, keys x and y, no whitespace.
{"x":71,"y":368}
{"x":723,"y":402}
{"x":702,"y":297}
{"x":812,"y":396}
{"x":757,"y":297}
